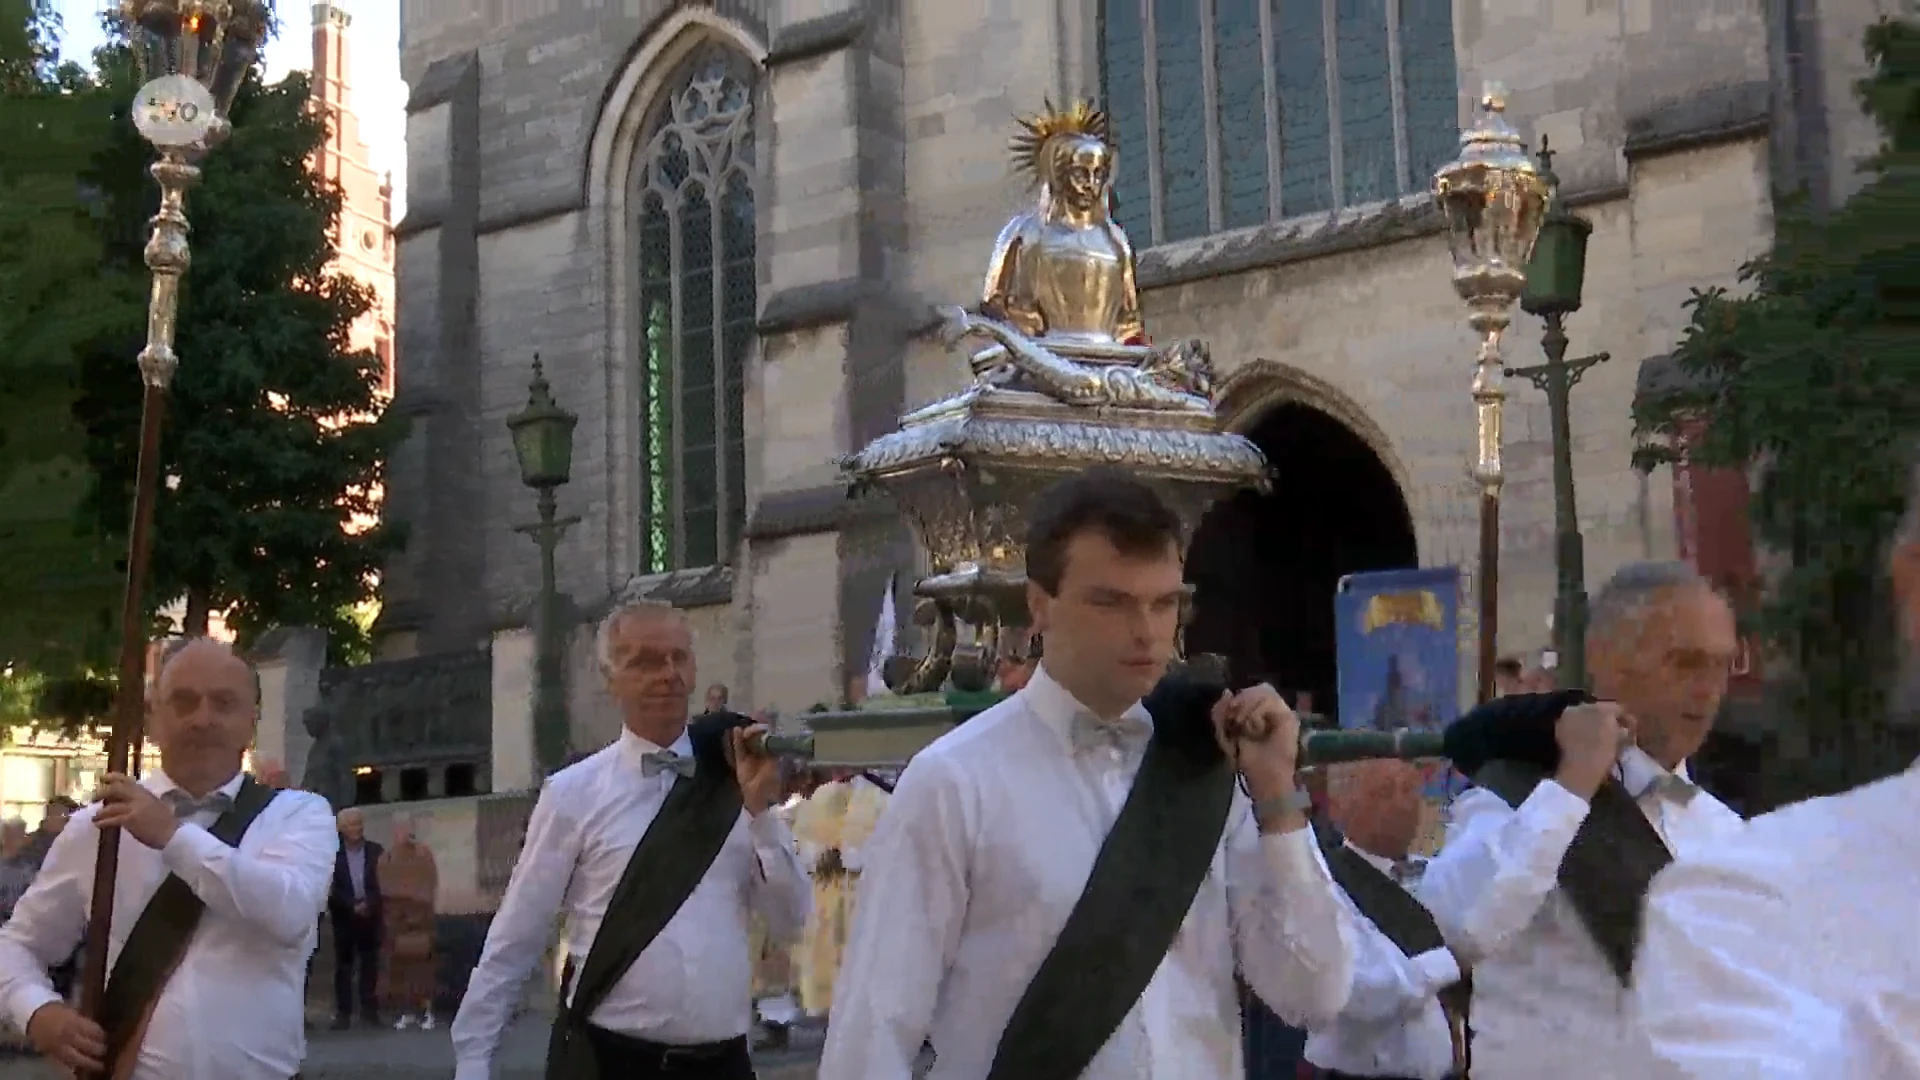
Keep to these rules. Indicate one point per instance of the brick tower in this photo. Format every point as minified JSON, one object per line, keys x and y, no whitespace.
{"x":364,"y":240}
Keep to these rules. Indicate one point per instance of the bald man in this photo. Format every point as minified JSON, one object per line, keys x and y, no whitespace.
{"x":1393,"y":1024}
{"x":220,"y":882}
{"x":354,"y":907}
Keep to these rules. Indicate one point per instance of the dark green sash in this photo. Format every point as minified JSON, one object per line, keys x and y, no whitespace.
{"x":161,"y":934}
{"x":668,"y":863}
{"x":1404,"y":920}
{"x":1143,"y":882}
{"x":1609,"y":866}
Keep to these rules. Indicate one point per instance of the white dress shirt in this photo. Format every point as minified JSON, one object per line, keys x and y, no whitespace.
{"x":235,"y":1008}
{"x":693,"y":983}
{"x":1393,"y":1024}
{"x":1543,"y":995}
{"x":1792,"y":952}
{"x":983,"y":851}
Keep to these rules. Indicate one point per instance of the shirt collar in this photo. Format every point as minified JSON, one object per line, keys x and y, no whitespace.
{"x":1056,"y":707}
{"x":633,"y":748}
{"x":1385,"y":866}
{"x":160,"y":783}
{"x":1639,"y":772}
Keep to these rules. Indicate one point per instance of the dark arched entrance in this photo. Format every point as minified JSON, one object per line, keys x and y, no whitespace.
{"x":1264,"y":567}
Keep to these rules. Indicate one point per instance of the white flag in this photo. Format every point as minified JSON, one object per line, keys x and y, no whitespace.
{"x":883,"y":632}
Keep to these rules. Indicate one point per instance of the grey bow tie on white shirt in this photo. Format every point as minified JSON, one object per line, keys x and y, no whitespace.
{"x":659,"y":761}
{"x":1089,"y":732}
{"x":1407,"y":871}
{"x":185,"y":805}
{"x":1672,"y":787}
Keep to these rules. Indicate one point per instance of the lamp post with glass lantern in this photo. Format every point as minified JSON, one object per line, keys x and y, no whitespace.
{"x":191,"y":56}
{"x":1555,"y":277}
{"x":543,"y":443}
{"x":1492,"y":198}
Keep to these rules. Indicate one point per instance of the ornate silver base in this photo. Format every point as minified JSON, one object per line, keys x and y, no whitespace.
{"x":964,"y":470}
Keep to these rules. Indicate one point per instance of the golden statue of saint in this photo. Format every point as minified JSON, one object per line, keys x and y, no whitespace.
{"x":1061,"y":305}
{"x":1063,"y":271}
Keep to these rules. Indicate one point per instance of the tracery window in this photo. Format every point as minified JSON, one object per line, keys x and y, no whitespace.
{"x":694,"y":227}
{"x":1232,"y":113}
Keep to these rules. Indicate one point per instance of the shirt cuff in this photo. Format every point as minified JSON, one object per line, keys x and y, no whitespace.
{"x":188,"y":850}
{"x":1553,"y":808}
{"x":27,"y":1000}
{"x":473,"y":1070}
{"x":768,"y":830}
{"x":1438,"y":968}
{"x":1292,"y":855}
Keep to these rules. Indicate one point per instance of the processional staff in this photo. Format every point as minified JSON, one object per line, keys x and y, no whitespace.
{"x":192,"y":56}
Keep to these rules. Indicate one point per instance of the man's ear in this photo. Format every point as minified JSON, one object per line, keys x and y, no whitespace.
{"x":1039,"y":607}
{"x":1906,"y":586}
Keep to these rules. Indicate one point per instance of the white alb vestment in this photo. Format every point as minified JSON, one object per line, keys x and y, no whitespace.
{"x":983,"y":851}
{"x":235,"y":1008}
{"x":1793,"y":952}
{"x":1393,"y":1024}
{"x":1544,"y":998}
{"x":692,"y":985}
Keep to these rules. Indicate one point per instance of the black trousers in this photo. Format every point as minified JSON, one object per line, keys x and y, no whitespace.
{"x":629,"y":1058}
{"x":356,"y":965}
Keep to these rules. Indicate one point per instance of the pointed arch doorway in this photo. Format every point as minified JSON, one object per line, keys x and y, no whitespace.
{"x":1264,"y":566}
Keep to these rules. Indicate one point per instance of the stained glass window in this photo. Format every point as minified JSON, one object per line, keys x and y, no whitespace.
{"x":1232,"y":113}
{"x":694,"y":228}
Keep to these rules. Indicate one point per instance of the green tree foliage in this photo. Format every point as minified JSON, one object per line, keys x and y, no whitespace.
{"x":275,"y":444}
{"x":59,"y":584}
{"x":1814,"y":377}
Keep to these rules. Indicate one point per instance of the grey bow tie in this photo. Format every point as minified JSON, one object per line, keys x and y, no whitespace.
{"x":660,"y":761}
{"x":185,"y":805}
{"x":1408,"y":871}
{"x":1090,"y":732}
{"x":1673,"y":788}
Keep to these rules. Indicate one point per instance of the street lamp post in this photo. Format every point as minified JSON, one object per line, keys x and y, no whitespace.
{"x":1554,"y":281}
{"x":1492,"y":198}
{"x":192,"y":56}
{"x":543,"y":442}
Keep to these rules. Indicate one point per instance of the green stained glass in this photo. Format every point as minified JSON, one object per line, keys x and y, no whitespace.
{"x":1300,"y":70}
{"x":1183,"y":119}
{"x":738,"y":308}
{"x":1368,"y":168}
{"x":1123,"y":91}
{"x":698,"y":308}
{"x":656,"y":387}
{"x":1431,"y":86}
{"x":1241,"y":110}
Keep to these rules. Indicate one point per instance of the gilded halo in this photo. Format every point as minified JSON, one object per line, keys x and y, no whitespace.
{"x":1029,"y":144}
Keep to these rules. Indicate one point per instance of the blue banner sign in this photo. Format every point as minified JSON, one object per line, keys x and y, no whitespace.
{"x":1398,"y":636}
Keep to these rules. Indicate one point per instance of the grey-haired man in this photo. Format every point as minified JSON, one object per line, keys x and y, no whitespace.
{"x":1792,"y":952}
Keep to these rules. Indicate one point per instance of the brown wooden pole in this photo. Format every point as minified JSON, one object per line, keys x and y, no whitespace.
{"x":130,"y":706}
{"x":1488,"y":585}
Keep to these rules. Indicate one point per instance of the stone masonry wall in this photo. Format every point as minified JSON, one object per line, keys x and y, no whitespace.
{"x":884,"y":180}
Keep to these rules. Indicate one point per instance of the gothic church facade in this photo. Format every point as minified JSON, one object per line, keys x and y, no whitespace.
{"x":721,"y":226}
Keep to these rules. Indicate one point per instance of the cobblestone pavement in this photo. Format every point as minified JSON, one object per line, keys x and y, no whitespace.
{"x":428,"y":1055}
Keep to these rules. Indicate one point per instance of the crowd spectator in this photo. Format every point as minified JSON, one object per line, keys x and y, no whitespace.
{"x":53,"y":819}
{"x":17,"y":864}
{"x":354,"y":906}
{"x":409,"y":881}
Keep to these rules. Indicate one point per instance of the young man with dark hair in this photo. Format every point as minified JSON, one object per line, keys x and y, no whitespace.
{"x":1066,"y":884}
